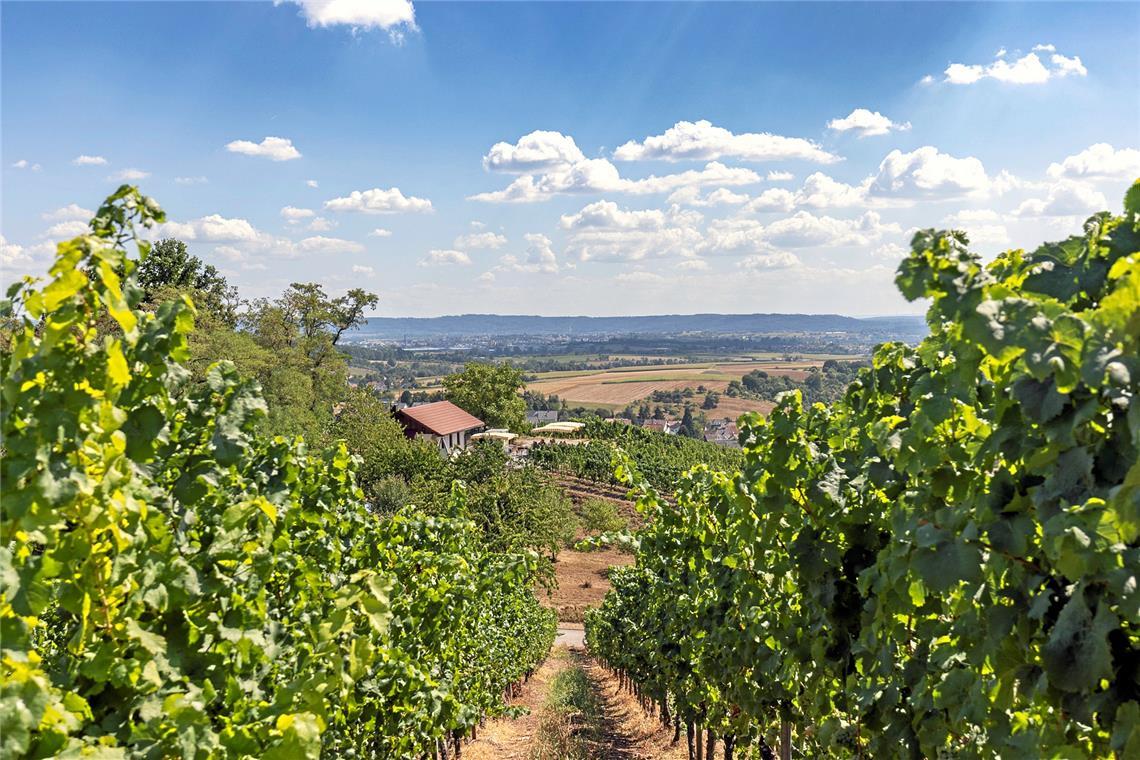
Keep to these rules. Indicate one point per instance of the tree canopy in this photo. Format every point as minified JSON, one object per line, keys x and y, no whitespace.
{"x":169,"y":268}
{"x":491,"y":392}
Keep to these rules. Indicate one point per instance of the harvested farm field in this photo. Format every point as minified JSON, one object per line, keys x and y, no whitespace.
{"x":626,"y":385}
{"x":594,"y":390}
{"x":734,"y":407}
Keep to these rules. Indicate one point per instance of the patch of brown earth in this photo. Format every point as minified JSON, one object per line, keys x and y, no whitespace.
{"x":582,"y":581}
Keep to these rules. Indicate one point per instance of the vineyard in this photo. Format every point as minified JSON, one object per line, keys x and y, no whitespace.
{"x":661,"y":458}
{"x":177,"y":584}
{"x":944,"y":563}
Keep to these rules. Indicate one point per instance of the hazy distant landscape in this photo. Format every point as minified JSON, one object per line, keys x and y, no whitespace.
{"x":497,"y":325}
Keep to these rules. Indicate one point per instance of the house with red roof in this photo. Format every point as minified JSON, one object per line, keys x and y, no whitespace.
{"x":441,"y":422}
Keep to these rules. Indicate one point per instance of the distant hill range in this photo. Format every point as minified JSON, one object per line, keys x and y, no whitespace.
{"x":488,"y":325}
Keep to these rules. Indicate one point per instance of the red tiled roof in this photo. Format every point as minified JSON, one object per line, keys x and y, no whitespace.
{"x":441,"y":417}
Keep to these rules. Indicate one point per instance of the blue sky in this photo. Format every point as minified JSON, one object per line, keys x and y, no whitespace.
{"x":561,"y":158}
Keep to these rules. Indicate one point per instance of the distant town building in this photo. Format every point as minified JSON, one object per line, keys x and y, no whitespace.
{"x":669,"y":427}
{"x":541,"y":417}
{"x":441,"y":422}
{"x":722,"y":432}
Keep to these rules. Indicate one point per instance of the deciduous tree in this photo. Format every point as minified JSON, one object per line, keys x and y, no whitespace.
{"x":489,"y":392}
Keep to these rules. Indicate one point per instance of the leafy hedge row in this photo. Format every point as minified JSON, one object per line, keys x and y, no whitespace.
{"x":944,"y":564}
{"x":176,"y":585}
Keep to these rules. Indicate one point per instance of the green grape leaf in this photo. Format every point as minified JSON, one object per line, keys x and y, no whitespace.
{"x":1077,"y":654}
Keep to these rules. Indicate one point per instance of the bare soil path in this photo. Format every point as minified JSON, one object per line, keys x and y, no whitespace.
{"x":623,"y":730}
{"x":628,"y":733}
{"x":511,"y":739}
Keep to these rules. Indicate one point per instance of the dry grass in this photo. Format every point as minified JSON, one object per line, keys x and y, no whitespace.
{"x":576,"y":711}
{"x":582,"y":581}
{"x":628,"y":732}
{"x":570,"y":722}
{"x":504,"y":738}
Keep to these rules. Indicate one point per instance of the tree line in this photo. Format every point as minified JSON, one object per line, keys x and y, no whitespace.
{"x":827,"y":383}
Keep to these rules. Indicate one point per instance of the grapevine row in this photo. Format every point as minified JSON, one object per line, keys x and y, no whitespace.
{"x":662,"y":458}
{"x":943,"y":564}
{"x":177,"y":585}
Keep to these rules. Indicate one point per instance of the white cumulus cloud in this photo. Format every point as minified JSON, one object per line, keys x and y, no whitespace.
{"x":273,"y":148}
{"x":598,"y":175}
{"x":538,"y":152}
{"x":85,"y":160}
{"x":129,"y":175}
{"x":436,"y":258}
{"x":772,"y":199}
{"x":66,"y":230}
{"x":358,"y":14}
{"x":866,"y":123}
{"x":490,"y":240}
{"x":539,"y":253}
{"x":1098,"y":161}
{"x":774,"y":260}
{"x":1065,"y":198}
{"x":822,"y":191}
{"x":377,"y":201}
{"x":983,"y":226}
{"x":13,"y":254}
{"x":928,"y":173}
{"x":552,"y":164}
{"x":714,"y":173}
{"x":1065,"y":66}
{"x":214,"y":228}
{"x":702,"y":141}
{"x":890,"y":252}
{"x":70,"y":212}
{"x":321,"y":244}
{"x":801,"y":230}
{"x":691,"y":196}
{"x":589,"y":175}
{"x":1029,"y":69}
{"x":294,"y":214}
{"x":602,"y":231}
{"x":540,"y":257}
